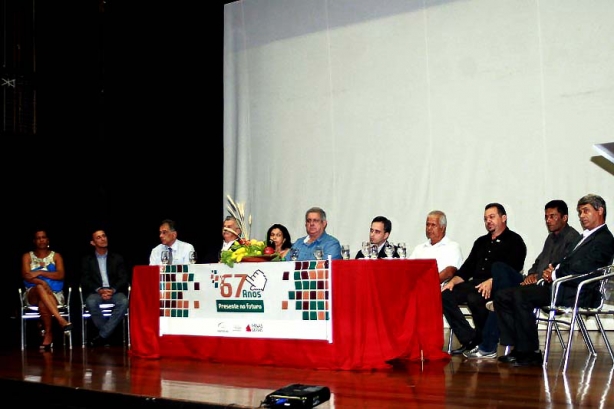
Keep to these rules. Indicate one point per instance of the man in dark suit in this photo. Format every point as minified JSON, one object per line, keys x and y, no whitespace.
{"x":104,"y":279}
{"x":515,"y":306}
{"x":378,"y":235}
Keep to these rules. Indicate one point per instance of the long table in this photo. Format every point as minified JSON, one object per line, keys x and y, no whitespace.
{"x":382,"y":310}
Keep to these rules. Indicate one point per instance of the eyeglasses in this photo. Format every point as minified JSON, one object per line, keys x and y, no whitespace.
{"x":313,"y":221}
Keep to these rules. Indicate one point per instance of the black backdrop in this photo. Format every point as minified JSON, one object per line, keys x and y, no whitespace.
{"x":129,"y":122}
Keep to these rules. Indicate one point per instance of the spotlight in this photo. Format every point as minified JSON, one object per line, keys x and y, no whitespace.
{"x":606,"y":150}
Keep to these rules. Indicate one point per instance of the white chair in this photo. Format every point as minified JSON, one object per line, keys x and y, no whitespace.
{"x":557,"y":314}
{"x":107,"y":309}
{"x":30,"y":313}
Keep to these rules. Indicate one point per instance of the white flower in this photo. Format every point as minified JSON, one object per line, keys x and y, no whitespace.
{"x":237,"y":210}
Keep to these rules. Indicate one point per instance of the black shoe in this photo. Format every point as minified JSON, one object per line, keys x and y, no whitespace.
{"x":509,"y":358}
{"x":464,"y":347}
{"x":529,"y":359}
{"x":99,"y":341}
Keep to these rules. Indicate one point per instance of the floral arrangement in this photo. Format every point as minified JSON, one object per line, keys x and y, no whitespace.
{"x":243,"y":247}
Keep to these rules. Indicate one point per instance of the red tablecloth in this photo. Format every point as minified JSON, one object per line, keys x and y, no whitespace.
{"x":382,"y":309}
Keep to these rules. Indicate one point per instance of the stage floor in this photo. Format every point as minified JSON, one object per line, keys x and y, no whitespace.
{"x":81,"y":375}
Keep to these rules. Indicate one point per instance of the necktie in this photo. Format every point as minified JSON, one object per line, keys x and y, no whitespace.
{"x":170,"y":256}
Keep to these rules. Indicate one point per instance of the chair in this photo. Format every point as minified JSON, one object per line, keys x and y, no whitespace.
{"x":30,"y":312}
{"x":467,"y":313}
{"x":556,"y":314}
{"x":107,"y":309}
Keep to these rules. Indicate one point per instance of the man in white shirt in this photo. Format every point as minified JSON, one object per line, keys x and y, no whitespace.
{"x":438,"y":246}
{"x":231,"y":232}
{"x":179,"y":251}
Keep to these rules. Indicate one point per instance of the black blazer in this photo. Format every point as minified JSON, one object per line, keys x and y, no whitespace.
{"x":596,"y":251}
{"x":116,"y":270}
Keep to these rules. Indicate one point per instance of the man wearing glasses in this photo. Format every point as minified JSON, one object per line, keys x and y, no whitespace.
{"x":315,"y":226}
{"x":178,"y":251}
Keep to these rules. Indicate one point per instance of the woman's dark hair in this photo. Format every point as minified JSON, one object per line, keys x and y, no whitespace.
{"x":284,"y":231}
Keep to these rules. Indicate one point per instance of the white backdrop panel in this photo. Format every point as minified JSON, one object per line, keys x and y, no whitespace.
{"x":366,"y":107}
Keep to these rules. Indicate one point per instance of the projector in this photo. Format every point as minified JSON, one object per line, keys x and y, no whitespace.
{"x":297,"y":395}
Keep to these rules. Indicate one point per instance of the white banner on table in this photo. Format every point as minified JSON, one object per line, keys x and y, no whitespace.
{"x":290,"y":299}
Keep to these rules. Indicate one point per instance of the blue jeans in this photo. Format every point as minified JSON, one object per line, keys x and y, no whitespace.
{"x":107,"y":326}
{"x":503,"y":276}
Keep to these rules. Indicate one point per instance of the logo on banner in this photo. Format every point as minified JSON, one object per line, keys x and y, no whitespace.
{"x":255,"y":328}
{"x":234,"y":285}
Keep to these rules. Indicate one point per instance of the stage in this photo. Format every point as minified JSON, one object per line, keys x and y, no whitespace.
{"x":111,"y":377}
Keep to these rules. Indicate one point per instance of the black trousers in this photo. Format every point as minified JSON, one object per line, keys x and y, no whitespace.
{"x":515,"y":311}
{"x":465,"y":293}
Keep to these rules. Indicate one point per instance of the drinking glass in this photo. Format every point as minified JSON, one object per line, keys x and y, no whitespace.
{"x":366,"y":248}
{"x":193,"y":257}
{"x":389,"y":250}
{"x":294,"y":254}
{"x":373,"y":251}
{"x":318,"y":253}
{"x":345,"y":251}
{"x":402,"y":250}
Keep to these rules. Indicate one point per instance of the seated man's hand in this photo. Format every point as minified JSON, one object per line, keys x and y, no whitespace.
{"x":547,"y":274}
{"x":485,"y":288}
{"x":106,"y":293}
{"x":450,"y":284}
{"x":530,"y":279}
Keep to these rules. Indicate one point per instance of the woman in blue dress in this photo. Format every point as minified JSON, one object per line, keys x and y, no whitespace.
{"x":43,"y":275}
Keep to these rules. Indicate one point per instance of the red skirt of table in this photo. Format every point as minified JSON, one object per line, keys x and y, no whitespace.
{"x":382,"y":310}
